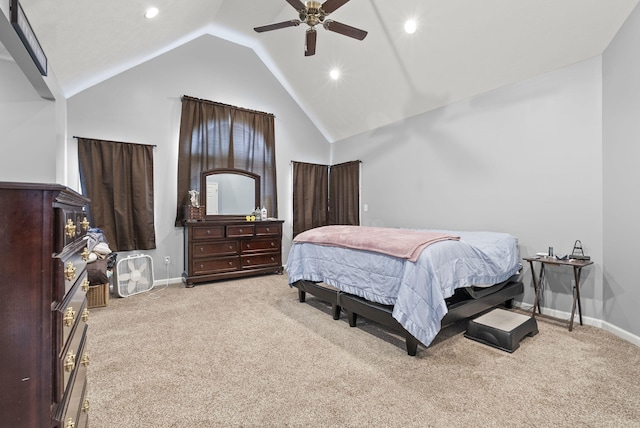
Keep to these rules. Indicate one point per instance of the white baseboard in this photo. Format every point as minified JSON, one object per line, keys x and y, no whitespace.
{"x":623,"y":334}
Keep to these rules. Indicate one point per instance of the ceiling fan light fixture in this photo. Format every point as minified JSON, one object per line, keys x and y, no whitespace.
{"x":151,"y":13}
{"x":410,"y":26}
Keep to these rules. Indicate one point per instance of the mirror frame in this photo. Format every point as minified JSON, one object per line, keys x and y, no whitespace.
{"x":203,"y":190}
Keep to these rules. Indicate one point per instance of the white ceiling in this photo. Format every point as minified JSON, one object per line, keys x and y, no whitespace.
{"x":461,"y":48}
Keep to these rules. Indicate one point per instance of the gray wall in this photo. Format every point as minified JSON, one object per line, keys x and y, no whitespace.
{"x":524,"y":159}
{"x":142,"y":105}
{"x":621,"y":151}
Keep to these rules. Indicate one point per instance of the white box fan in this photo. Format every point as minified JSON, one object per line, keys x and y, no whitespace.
{"x":134,"y":275}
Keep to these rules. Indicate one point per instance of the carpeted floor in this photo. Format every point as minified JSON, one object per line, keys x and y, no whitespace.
{"x":247,"y":353}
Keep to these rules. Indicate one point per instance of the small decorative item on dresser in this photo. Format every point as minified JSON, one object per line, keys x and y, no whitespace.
{"x":192,"y":213}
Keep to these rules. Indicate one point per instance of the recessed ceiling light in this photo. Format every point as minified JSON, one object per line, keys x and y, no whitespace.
{"x":410,"y":26}
{"x":152,"y":12}
{"x":335,"y":74}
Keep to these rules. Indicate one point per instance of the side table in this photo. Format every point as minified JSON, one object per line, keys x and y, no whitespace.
{"x":538,"y":281}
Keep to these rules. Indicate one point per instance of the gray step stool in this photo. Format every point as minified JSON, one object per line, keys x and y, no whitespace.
{"x":501,"y":329}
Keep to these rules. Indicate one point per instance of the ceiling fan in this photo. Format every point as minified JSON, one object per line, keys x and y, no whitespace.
{"x":313,"y":13}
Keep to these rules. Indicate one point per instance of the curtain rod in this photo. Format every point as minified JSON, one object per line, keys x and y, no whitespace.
{"x":216,"y":103}
{"x":311,"y":163}
{"x":111,"y":141}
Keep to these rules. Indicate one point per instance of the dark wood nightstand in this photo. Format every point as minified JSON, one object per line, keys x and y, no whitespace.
{"x":539,"y":280}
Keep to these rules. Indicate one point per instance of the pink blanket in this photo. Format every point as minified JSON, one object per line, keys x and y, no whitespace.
{"x":401,"y":243}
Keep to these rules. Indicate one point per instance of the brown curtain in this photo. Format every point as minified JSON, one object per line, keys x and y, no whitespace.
{"x":344,"y":193}
{"x":214,"y":135}
{"x":310,"y":196}
{"x":118,"y":178}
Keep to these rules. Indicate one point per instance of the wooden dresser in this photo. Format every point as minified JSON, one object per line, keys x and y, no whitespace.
{"x":226,"y":249}
{"x":43,"y":364}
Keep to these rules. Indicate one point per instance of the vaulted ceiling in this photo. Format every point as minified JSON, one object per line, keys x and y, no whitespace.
{"x":461,"y":47}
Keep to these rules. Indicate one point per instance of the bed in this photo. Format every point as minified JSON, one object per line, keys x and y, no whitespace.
{"x":411,"y":281}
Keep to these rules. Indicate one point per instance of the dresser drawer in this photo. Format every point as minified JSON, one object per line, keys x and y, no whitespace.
{"x":268,"y":230}
{"x":74,"y":406}
{"x":208,"y":232}
{"x":72,"y":310}
{"x":71,"y":358}
{"x":73,"y":224}
{"x":260,"y":260}
{"x":260,"y":245}
{"x":236,"y":230}
{"x":222,"y":264}
{"x":219,"y":248}
{"x":69,"y":268}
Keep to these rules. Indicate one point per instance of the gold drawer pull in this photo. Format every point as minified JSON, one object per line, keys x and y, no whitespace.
{"x":69,"y":317}
{"x":85,"y":360}
{"x":85,"y":315}
{"x":70,"y":229}
{"x":85,"y":285}
{"x":70,"y":272}
{"x":85,"y":224}
{"x":85,"y":254}
{"x":85,"y":406}
{"x":70,"y":362}
{"x":70,"y":424}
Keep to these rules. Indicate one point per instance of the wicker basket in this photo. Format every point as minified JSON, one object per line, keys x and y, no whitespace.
{"x":193,"y":213}
{"x":98,"y":296}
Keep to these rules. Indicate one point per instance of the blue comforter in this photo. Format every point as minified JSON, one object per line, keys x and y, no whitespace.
{"x":416,"y":290}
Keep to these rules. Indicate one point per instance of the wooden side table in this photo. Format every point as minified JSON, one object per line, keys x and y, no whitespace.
{"x":538,"y":281}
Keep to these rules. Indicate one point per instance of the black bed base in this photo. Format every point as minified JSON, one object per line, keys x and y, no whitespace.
{"x":460,"y":307}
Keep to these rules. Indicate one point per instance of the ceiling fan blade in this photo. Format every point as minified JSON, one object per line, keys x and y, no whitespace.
{"x":344,"y":29}
{"x":277,"y":26}
{"x":331,"y":5}
{"x":297,"y":4}
{"x":310,"y":42}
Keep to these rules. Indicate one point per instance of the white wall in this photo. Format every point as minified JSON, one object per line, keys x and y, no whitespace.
{"x":142,"y":105}
{"x":523,"y":159}
{"x":27,"y":128}
{"x":621,"y":135}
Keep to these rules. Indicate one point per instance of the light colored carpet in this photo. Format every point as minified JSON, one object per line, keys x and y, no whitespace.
{"x":247,"y":353}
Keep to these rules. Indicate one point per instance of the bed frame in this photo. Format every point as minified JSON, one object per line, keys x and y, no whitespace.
{"x":460,"y":305}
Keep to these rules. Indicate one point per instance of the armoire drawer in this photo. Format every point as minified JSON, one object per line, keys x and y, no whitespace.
{"x":260,"y":260}
{"x":222,"y":264}
{"x":214,"y":248}
{"x":260,"y":245}
{"x":208,"y":232}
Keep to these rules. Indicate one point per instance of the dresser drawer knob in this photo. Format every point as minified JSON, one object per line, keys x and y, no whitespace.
{"x":85,"y":284}
{"x":273,"y":244}
{"x":248,"y":261}
{"x":208,"y":231}
{"x":85,"y":360}
{"x":231,"y":247}
{"x":230,"y":263}
{"x":85,"y":315}
{"x":70,"y":271}
{"x":70,"y":229}
{"x":239,"y":230}
{"x":85,"y":224}
{"x":70,"y":424}
{"x":69,"y":317}
{"x":248,"y":245}
{"x":70,"y":362}
{"x":85,"y":406}
{"x":268,"y":229}
{"x":85,"y":254}
{"x":201,"y":249}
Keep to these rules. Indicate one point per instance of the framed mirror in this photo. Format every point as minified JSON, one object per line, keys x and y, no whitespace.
{"x":229,"y":192}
